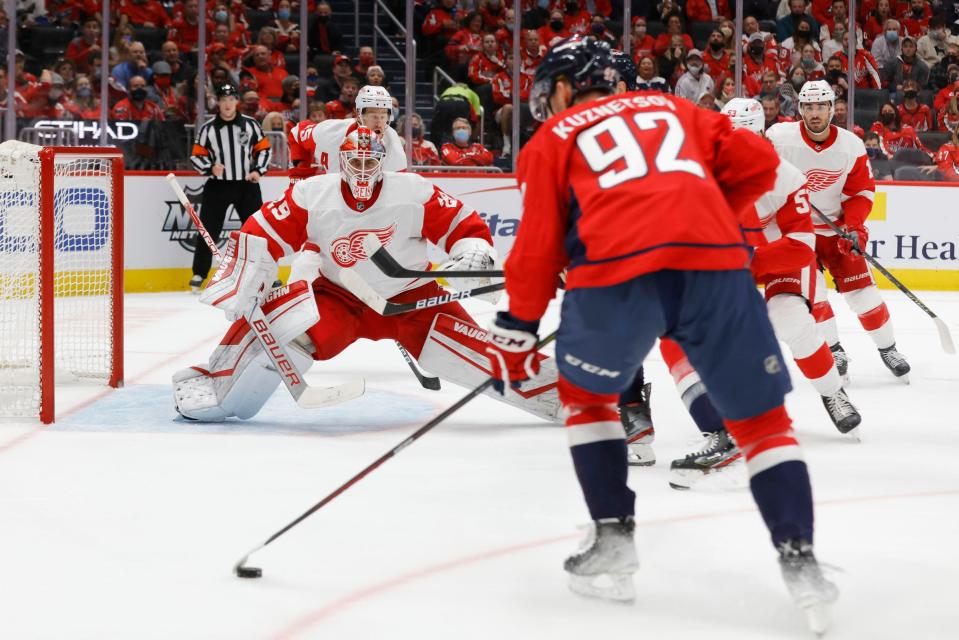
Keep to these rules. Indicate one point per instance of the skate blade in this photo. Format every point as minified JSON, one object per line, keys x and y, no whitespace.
{"x":616,"y":588}
{"x":845,"y":380}
{"x":641,"y":455}
{"x":853,"y":435}
{"x":904,"y":378}
{"x":818,"y":617}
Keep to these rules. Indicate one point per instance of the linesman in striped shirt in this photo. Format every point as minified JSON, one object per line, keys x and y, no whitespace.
{"x":230,"y":148}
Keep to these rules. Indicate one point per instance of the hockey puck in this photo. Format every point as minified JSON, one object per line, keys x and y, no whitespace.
{"x":249,"y":572}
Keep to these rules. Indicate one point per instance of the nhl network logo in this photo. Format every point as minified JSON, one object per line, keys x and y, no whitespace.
{"x":180,"y":227}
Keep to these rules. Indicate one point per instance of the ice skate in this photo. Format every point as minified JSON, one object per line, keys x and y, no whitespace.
{"x":842,"y":412}
{"x":842,"y":361}
{"x":637,"y":420}
{"x":196,"y":282}
{"x":809,"y":589}
{"x":603,"y":568}
{"x":717,"y":454}
{"x":895,"y":362}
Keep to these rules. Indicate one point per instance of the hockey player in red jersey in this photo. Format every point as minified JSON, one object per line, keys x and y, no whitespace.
{"x":841,"y":187}
{"x":639,"y":197}
{"x":336,"y":213}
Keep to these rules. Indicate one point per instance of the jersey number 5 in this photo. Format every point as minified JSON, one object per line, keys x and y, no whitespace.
{"x":626,"y":148}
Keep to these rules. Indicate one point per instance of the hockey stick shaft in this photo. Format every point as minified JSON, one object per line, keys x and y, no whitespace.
{"x":386,"y":263}
{"x":427,"y":382}
{"x":416,"y":435}
{"x":355,"y":284}
{"x":945,"y":337}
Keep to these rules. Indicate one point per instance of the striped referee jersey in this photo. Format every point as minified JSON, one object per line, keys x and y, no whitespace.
{"x":239,"y":145}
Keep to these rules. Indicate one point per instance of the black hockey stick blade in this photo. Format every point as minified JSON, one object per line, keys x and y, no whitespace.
{"x":389,"y":266}
{"x":427,"y":382}
{"x":945,"y":336}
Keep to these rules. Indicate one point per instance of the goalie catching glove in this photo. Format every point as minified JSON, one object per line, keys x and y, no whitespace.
{"x":512,"y":350}
{"x":244,"y":277}
{"x":472,"y":254}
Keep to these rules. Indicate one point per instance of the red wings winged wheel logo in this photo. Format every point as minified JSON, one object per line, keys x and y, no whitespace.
{"x":347,"y":250}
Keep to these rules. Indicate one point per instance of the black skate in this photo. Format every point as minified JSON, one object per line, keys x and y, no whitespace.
{"x":809,"y":589}
{"x":842,"y":361}
{"x":604,"y":566}
{"x":895,"y":362}
{"x":638,"y":422}
{"x":195,"y":283}
{"x":718,"y":453}
{"x":842,"y":412}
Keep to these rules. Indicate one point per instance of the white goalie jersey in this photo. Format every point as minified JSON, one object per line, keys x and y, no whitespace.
{"x":838,"y":176}
{"x":405,"y":213}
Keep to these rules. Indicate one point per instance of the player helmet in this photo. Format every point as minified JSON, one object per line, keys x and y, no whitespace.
{"x":745,"y":113}
{"x":361,"y":162}
{"x":627,"y":69}
{"x":374,"y":97}
{"x":817,"y":91}
{"x":586,"y":63}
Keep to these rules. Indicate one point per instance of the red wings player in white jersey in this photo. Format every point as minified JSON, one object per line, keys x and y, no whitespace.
{"x":335,"y":213}
{"x":841,"y":186}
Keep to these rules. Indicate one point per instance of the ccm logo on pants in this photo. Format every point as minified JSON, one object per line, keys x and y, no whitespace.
{"x":590,"y":368}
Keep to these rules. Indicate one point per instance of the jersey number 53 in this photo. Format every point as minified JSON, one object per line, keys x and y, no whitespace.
{"x":626,"y":148}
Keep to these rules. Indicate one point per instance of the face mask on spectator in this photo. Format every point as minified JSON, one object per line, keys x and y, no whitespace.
{"x":803,"y":34}
{"x":55,"y":94}
{"x":283,"y":14}
{"x":162,"y":81}
{"x":542,"y":4}
{"x":138,"y":94}
{"x":695,"y":68}
{"x":757,"y":48}
{"x":461,"y":135}
{"x":938,"y":34}
{"x":910,"y":93}
{"x":892,"y":37}
{"x":808,"y":61}
{"x":798,"y":82}
{"x":640,"y":31}
{"x":887,"y":118}
{"x":366,"y":59}
{"x":222,"y":16}
{"x":312,"y":80}
{"x":716,"y":46}
{"x":556,"y":25}
{"x":872,"y":152}
{"x":84,"y":92}
{"x":322,"y":19}
{"x":726,"y":31}
{"x":417,"y":131}
{"x":598,"y":29}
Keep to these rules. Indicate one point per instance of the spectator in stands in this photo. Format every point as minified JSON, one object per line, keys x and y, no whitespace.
{"x":44,"y":98}
{"x":343,"y":106}
{"x":716,"y":59}
{"x":80,"y":48}
{"x":881,"y":168}
{"x":287,"y":30}
{"x":494,"y":14}
{"x":836,"y":77}
{"x":932,"y":46}
{"x":789,"y":50}
{"x":85,"y":105}
{"x":692,"y":84}
{"x":893,"y":135}
{"x":267,"y":38}
{"x":832,"y":44}
{"x":289,"y":101}
{"x":365,"y":60}
{"x":797,"y":78}
{"x":136,"y":66}
{"x":424,"y":151}
{"x":503,"y":100}
{"x":907,"y":66}
{"x":940,"y":74}
{"x":725,"y":91}
{"x":458,"y":101}
{"x":598,"y":30}
{"x":672,"y":64}
{"x":810,"y":64}
{"x":838,"y":18}
{"x":554,"y":30}
{"x":484,"y":66}
{"x":915,"y":20}
{"x":329,"y":88}
{"x":504,"y":34}
{"x":876,"y":21}
{"x":65,"y":69}
{"x":866,"y":69}
{"x":841,"y":116}
{"x":465,"y":43}
{"x":533,"y":51}
{"x":649,"y":78}
{"x":642,"y":42}
{"x":947,"y":158}
{"x":273,"y":121}
{"x":142,"y":13}
{"x":461,"y":152}
{"x":707,"y":101}
{"x":324,"y":38}
{"x":576,"y":20}
{"x":136,"y":106}
{"x":316,"y":112}
{"x":170,"y":53}
{"x":946,"y":97}
{"x":216,"y":78}
{"x":771,"y":111}
{"x":911,"y":111}
{"x":162,"y":91}
{"x":250,"y":105}
{"x":787,"y":25}
{"x":375,"y":76}
{"x":707,"y":10}
{"x":674,"y":27}
{"x":757,"y":61}
{"x":269,"y":78}
{"x":667,"y":8}
{"x":185,"y":28}
{"x":887,"y":48}
{"x":441,"y":22}
{"x":228,"y":53}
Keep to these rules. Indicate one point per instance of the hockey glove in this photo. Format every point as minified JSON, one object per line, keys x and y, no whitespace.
{"x":473,"y":254}
{"x":858,"y":237}
{"x":512,"y":350}
{"x":244,"y":277}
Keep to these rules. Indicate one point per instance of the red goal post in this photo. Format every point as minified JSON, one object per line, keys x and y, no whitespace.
{"x":61,"y":273}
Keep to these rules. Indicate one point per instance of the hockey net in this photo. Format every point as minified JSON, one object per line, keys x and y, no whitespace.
{"x":61,"y":275}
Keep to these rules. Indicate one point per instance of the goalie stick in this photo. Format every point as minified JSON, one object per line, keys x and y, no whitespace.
{"x":362,"y":290}
{"x":427,"y":382}
{"x":389,"y":266}
{"x":305,"y":395}
{"x":243,"y":571}
{"x":945,"y":337}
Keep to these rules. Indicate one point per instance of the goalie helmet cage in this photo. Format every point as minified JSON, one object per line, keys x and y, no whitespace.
{"x":61,"y":272}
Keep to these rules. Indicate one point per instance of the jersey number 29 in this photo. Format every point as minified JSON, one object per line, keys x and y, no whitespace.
{"x":626,"y":148}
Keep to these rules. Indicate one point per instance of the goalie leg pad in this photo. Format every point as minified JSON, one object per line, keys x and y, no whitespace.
{"x":239,"y":377}
{"x":455,"y":350}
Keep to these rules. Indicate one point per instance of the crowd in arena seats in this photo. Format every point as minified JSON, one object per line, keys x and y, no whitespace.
{"x":906,"y":64}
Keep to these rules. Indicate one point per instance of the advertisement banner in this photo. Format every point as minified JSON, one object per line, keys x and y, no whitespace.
{"x":913,"y":229}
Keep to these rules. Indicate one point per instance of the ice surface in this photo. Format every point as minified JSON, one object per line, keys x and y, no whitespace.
{"x":122,"y":522}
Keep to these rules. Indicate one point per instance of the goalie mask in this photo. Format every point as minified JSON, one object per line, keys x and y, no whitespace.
{"x":361,"y":162}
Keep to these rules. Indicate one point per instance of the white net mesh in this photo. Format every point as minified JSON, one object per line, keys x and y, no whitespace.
{"x":83,"y":273}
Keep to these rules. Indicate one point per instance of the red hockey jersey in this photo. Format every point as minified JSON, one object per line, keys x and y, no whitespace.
{"x":632,"y":184}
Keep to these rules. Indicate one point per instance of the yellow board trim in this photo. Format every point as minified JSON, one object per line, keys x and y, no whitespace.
{"x":878,"y":212}
{"x":917,"y":279}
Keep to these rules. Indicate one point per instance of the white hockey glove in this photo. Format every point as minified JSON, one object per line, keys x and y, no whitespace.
{"x":243,"y":278}
{"x":473,"y":254}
